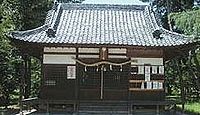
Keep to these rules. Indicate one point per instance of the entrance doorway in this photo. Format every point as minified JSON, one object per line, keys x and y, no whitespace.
{"x":103,"y":82}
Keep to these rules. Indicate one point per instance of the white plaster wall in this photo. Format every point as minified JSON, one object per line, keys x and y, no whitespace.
{"x":116,"y":56}
{"x":60,"y":49}
{"x":88,"y":50}
{"x":88,"y":56}
{"x":117,"y":50}
{"x":152,"y":61}
{"x":58,"y":59}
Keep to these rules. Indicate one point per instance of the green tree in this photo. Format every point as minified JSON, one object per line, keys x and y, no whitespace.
{"x":13,"y":17}
{"x":33,"y":12}
{"x":183,"y":72}
{"x":9,"y":59}
{"x":188,"y":21}
{"x":189,"y":65}
{"x":163,"y":7}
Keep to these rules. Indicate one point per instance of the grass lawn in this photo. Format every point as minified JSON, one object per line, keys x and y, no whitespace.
{"x":192,"y":107}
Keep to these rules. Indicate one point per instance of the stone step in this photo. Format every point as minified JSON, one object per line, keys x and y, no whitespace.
{"x":100,"y":108}
{"x":104,"y":112}
{"x":100,"y":103}
{"x":117,"y":105}
{"x":103,"y":108}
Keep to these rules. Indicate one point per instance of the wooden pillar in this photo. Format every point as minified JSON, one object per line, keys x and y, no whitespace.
{"x":103,"y":53}
{"x":157,"y":110}
{"x":130,"y":106}
{"x":102,"y":81}
{"x":47,"y":108}
{"x":182,"y":92}
{"x":27,"y":76}
{"x":21,"y":87}
{"x":76,"y":107}
{"x":134,"y":109}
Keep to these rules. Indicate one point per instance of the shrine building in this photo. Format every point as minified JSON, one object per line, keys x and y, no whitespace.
{"x":100,"y":55}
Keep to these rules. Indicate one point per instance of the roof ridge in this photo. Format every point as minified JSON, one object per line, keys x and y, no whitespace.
{"x":28,"y":32}
{"x":67,"y":1}
{"x":151,"y":18}
{"x":54,"y":21}
{"x":102,"y":6}
{"x":52,"y":24}
{"x":188,"y":38}
{"x":55,"y":17}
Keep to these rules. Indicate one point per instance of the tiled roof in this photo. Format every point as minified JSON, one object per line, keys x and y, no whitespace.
{"x":128,"y":25}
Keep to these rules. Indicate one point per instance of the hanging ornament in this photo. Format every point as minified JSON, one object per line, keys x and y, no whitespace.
{"x":111,"y":67}
{"x":97,"y":69}
{"x":142,"y":85}
{"x":85,"y":68}
{"x":104,"y":69}
{"x":121,"y":68}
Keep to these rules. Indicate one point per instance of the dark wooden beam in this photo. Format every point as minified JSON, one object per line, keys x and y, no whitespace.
{"x":148,"y":53}
{"x":178,"y":51}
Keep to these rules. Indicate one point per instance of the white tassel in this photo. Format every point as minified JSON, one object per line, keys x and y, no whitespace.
{"x":104,"y":68}
{"x":142,"y":85}
{"x":97,"y":69}
{"x":111,"y":67}
{"x":121,"y":68}
{"x":85,"y":68}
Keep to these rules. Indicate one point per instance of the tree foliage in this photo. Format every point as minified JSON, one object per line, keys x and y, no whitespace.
{"x":163,"y":7}
{"x":9,"y":59}
{"x":188,"y":21}
{"x":33,"y":12}
{"x":189,"y":66}
{"x":184,"y":70}
{"x":17,"y":15}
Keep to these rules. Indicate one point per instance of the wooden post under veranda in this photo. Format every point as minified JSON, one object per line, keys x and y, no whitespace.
{"x":182,"y":94}
{"x":25,"y":80}
{"x":182,"y":86}
{"x":21,"y":87}
{"x":27,"y":76}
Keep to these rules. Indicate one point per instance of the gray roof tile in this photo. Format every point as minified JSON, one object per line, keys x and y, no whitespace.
{"x":102,"y":24}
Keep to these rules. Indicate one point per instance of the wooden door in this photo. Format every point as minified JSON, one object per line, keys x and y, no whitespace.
{"x":116,"y":84}
{"x":89,"y":83}
{"x":103,"y":82}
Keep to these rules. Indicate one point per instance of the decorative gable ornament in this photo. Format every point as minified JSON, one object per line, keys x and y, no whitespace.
{"x":157,"y":34}
{"x":51,"y":32}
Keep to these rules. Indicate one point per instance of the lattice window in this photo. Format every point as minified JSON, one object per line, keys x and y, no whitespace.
{"x":50,"y":82}
{"x":90,"y":77}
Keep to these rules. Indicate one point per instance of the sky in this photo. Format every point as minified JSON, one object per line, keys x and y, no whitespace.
{"x":122,"y":2}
